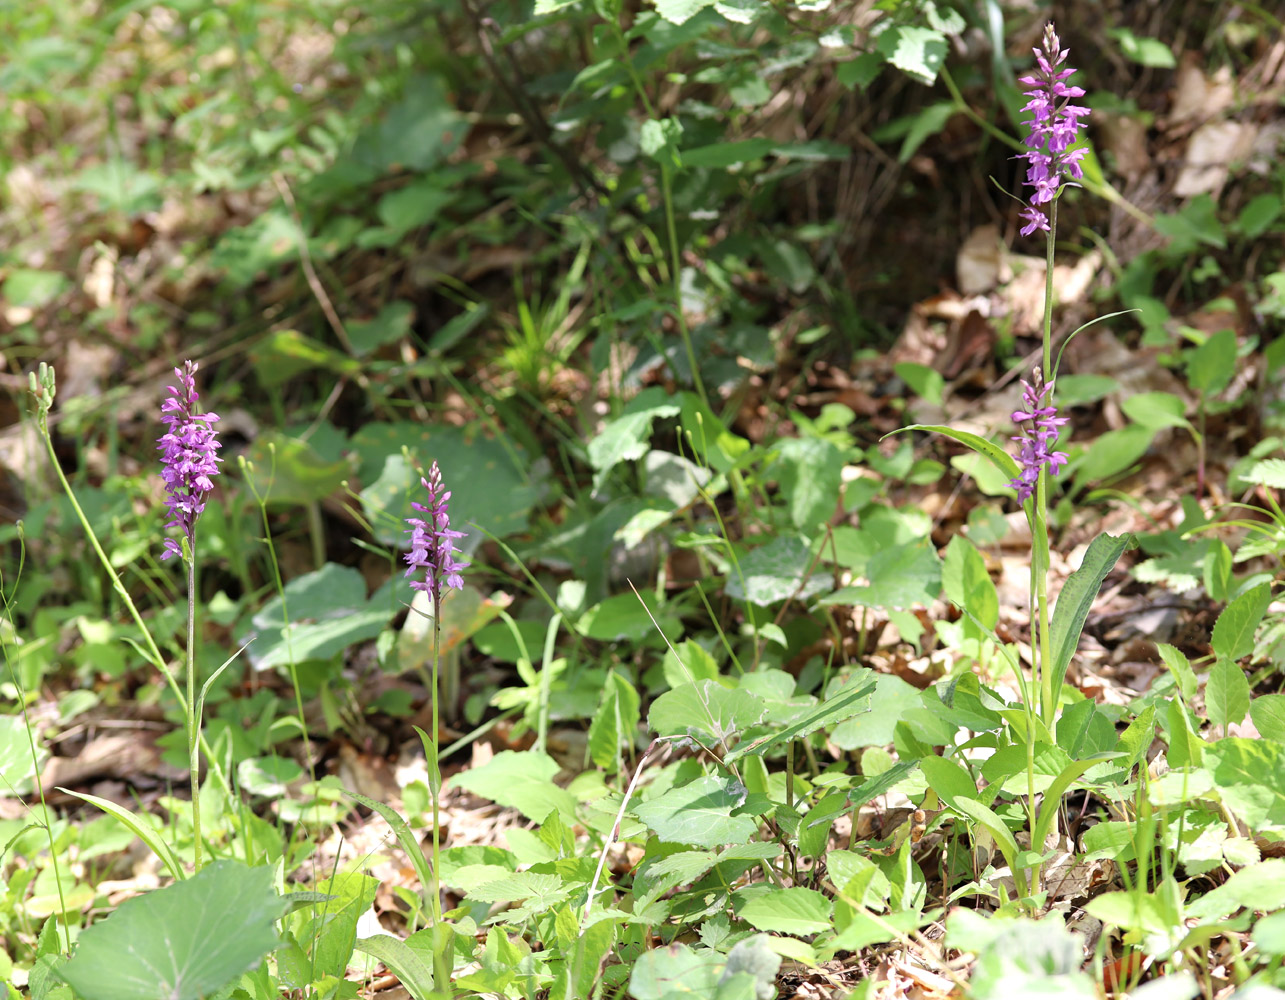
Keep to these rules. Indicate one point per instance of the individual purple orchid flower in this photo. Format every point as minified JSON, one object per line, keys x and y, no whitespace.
{"x":432,"y":541}
{"x":1052,"y":131}
{"x":188,"y":457}
{"x":1039,"y":422}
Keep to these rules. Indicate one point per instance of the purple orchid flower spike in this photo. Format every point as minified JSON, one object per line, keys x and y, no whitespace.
{"x":1039,"y":422}
{"x":432,"y":542}
{"x":1052,"y":131}
{"x":188,"y":457}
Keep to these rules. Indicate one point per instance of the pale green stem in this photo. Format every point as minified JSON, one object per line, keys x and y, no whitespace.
{"x":193,"y":723}
{"x":441,"y":970}
{"x":1039,"y":536}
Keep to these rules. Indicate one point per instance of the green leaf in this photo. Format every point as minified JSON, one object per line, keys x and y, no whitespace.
{"x":390,"y":324}
{"x":1156,"y":410}
{"x":186,"y":941}
{"x":1218,"y":566}
{"x":491,"y":480}
{"x":287,"y":470}
{"x":407,"y":208}
{"x":1079,"y":390}
{"x":1257,"y":887}
{"x":861,"y":71}
{"x":680,"y":11}
{"x":627,"y":438}
{"x":676,"y":972}
{"x":988,"y":449}
{"x":332,"y":928}
{"x":1178,"y":664}
{"x":1197,"y":222}
{"x":1185,"y":748}
{"x":727,"y":154}
{"x":699,"y":813}
{"x":1233,"y":635}
{"x":949,"y":779}
{"x":795,"y":910}
{"x":900,"y":577}
{"x":1137,"y":738}
{"x":1268,"y":472}
{"x":416,"y":133}
{"x":140,"y":826}
{"x":1258,"y":215}
{"x":705,"y":710}
{"x":1250,"y":778}
{"x":514,"y":887}
{"x":659,"y":139}
{"x":17,"y":765}
{"x":405,"y":836}
{"x":403,"y":961}
{"x":1226,"y":694}
{"x":621,"y":618}
{"x":616,"y":720}
{"x":811,"y":473}
{"x":987,"y":817}
{"x":774,"y":572}
{"x":522,"y":780}
{"x":1113,"y":453}
{"x":26,"y":288}
{"x":1061,"y":784}
{"x":1144,"y":51}
{"x":891,"y":699}
{"x":1211,"y":365}
{"x":967,"y":582}
{"x":851,"y":699}
{"x":926,"y":124}
{"x":1268,"y":713}
{"x":284,"y":354}
{"x":917,"y":52}
{"x":1076,"y":600}
{"x":924,"y":381}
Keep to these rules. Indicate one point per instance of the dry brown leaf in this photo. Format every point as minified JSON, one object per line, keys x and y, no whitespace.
{"x":1211,"y":151}
{"x":1197,"y":96}
{"x":980,"y":263}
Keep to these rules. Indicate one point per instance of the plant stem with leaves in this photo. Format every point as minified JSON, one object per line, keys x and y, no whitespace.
{"x":433,"y":553}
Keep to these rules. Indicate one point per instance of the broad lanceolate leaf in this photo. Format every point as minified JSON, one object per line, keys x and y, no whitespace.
{"x":616,"y":720}
{"x":1176,"y":660}
{"x":1234,"y":631}
{"x":967,"y":582}
{"x":1077,"y":597}
{"x":403,"y":960}
{"x":1226,"y":694}
{"x":183,"y":942}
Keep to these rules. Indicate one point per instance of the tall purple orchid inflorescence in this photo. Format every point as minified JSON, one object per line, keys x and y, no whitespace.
{"x":432,"y":541}
{"x":1039,"y":422}
{"x":188,"y":456}
{"x":1052,"y":131}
